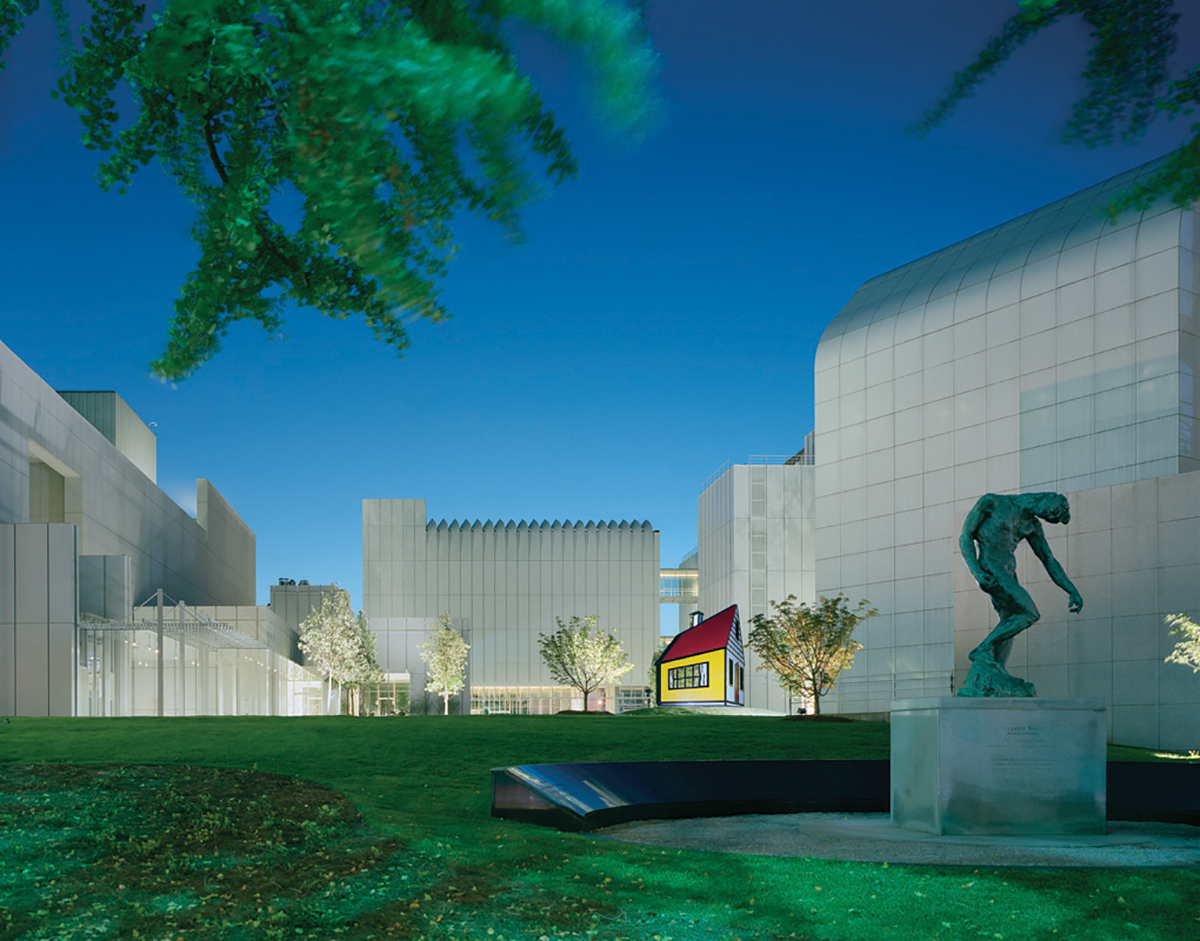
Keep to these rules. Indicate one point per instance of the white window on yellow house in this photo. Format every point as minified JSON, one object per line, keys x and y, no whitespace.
{"x":693,"y":676}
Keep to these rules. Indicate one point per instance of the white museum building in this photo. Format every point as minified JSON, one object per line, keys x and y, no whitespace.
{"x":114,"y":601}
{"x":1055,"y":352}
{"x":503,"y":584}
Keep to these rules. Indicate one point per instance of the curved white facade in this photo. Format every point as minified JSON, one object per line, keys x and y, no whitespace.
{"x":1053,"y":352}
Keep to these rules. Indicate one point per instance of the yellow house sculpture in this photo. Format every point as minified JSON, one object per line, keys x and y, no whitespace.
{"x":705,"y":665}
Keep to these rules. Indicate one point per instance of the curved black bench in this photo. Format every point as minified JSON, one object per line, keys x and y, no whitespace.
{"x":587,"y":795}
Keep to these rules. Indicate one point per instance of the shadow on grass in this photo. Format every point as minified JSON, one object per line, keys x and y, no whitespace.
{"x":179,"y":852}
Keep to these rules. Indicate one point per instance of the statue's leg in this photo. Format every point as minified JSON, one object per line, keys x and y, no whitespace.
{"x":1017,"y":613}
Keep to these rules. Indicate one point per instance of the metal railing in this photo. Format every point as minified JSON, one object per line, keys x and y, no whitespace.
{"x":715,"y":476}
{"x":800,"y":457}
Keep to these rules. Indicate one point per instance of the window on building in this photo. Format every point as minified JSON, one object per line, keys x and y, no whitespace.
{"x":693,"y":676}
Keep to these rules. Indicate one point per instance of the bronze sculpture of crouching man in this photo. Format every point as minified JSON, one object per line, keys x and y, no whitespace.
{"x":994,"y":528}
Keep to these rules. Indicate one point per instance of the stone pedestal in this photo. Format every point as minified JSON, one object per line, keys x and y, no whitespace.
{"x":1001,"y":767}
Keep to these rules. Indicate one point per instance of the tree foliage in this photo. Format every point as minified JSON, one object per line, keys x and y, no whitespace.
{"x":1187,"y":651}
{"x":581,"y":655}
{"x":386,"y":119}
{"x":1126,"y":79}
{"x":808,"y":646}
{"x":445,"y":656}
{"x":652,"y":672}
{"x":340,"y":644}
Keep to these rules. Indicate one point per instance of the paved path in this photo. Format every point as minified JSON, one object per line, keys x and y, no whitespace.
{"x":872,"y":838}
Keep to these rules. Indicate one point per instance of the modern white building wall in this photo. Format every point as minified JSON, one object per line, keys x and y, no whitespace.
{"x":56,"y":467}
{"x":37,"y":618}
{"x":503,"y":584}
{"x":756,"y":546}
{"x":112,"y":417}
{"x":86,"y":534}
{"x":295,"y":602}
{"x":1053,"y":352}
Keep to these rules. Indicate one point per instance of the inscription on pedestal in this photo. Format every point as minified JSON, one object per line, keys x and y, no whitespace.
{"x":993,"y":766}
{"x":1011,"y":768}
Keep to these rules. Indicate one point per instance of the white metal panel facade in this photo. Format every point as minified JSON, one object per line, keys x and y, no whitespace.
{"x":506,"y":582}
{"x":1053,"y":352}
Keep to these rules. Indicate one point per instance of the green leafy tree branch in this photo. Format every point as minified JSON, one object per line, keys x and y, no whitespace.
{"x":1187,"y":651}
{"x":386,"y":119}
{"x":1127,"y":86}
{"x":652,"y":672}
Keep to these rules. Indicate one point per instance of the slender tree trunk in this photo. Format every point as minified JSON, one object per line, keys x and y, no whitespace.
{"x":816,"y":702}
{"x":446,"y":703}
{"x":585,"y":699}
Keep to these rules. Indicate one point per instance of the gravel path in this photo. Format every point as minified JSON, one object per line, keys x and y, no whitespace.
{"x":872,"y":838}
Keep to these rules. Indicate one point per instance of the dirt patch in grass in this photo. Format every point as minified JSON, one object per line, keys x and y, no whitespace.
{"x":106,"y":850}
{"x":165,"y":852}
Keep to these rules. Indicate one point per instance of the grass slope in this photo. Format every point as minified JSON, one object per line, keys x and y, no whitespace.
{"x":415,"y":853}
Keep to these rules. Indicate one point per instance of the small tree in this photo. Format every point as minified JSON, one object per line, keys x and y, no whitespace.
{"x":362,"y":669}
{"x":445,"y":656}
{"x":580,"y":655}
{"x":340,"y":644}
{"x":652,"y":673}
{"x":1187,"y":651}
{"x":808,"y":645}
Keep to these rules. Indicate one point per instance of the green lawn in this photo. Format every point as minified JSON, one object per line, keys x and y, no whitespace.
{"x":387,"y":833}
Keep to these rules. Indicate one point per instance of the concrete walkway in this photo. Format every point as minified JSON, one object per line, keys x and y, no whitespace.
{"x":872,"y":838}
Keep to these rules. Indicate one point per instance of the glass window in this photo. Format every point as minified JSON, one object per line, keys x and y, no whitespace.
{"x":693,"y":676}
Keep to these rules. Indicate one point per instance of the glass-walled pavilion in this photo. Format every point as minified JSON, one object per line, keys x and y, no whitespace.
{"x":183,"y":661}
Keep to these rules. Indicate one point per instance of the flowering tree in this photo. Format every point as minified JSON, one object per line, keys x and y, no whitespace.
{"x":445,"y":656}
{"x":808,"y":645}
{"x":579,"y":655}
{"x":362,"y":669}
{"x":340,"y":645}
{"x":1187,"y":651}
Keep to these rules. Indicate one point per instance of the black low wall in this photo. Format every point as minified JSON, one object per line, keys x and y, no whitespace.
{"x":587,"y":795}
{"x":1154,"y":790}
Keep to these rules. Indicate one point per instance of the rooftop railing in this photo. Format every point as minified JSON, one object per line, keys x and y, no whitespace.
{"x":799,"y":457}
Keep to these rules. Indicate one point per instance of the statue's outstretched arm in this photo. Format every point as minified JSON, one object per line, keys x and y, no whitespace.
{"x":1041,"y":548}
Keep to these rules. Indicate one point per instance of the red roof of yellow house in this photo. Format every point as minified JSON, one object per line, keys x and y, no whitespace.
{"x":711,"y":634}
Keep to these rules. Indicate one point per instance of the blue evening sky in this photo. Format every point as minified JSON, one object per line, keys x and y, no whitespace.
{"x":660,"y":320}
